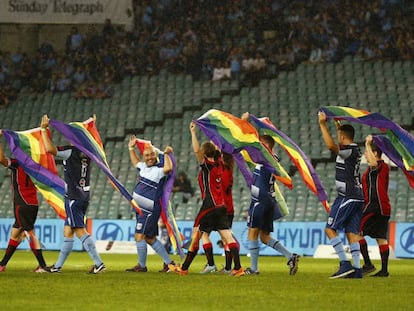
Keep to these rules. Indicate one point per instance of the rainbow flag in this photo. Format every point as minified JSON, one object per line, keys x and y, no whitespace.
{"x":85,"y":137}
{"x":167,"y":214}
{"x":298,"y":157}
{"x":233,"y":135}
{"x":28,"y":149}
{"x":401,"y":142}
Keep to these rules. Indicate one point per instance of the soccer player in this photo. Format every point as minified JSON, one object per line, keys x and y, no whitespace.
{"x":377,"y":208}
{"x":346,"y":211}
{"x":26,"y":206}
{"x":262,"y":213}
{"x":212,"y":214}
{"x":76,"y":174}
{"x":147,"y":194}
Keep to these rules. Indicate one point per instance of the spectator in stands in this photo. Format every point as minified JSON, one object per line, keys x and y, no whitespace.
{"x":63,"y":83}
{"x":183,"y":184}
{"x":377,"y":209}
{"x":26,"y":206}
{"x":74,"y":41}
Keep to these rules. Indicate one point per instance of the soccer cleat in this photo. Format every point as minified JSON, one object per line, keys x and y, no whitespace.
{"x":345,"y":268}
{"x":249,"y":271}
{"x":137,"y":268}
{"x":237,"y":273}
{"x":293,"y":264}
{"x":381,"y":273}
{"x":177,"y":269}
{"x":53,"y":269}
{"x":97,"y":269}
{"x":357,"y":274}
{"x":40,"y":269}
{"x":165,"y":267}
{"x":224,"y":271}
{"x":368,"y":269}
{"x":2,"y":268}
{"x":209,"y":269}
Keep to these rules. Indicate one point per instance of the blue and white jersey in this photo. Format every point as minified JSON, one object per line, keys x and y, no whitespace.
{"x":76,"y":172}
{"x":150,"y":185}
{"x":347,"y":178}
{"x":262,"y":188}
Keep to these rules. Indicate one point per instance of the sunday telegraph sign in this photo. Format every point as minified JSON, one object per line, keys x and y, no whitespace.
{"x":66,"y":11}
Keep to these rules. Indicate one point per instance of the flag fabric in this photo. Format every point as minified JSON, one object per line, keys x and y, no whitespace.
{"x":400,"y":143}
{"x":85,"y":137}
{"x":234,"y":135}
{"x":298,"y":157}
{"x":167,"y":214}
{"x":28,"y":149}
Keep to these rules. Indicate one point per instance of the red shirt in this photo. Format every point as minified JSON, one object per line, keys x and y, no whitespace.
{"x":375,"y":186}
{"x":209,"y":180}
{"x":22,"y":186}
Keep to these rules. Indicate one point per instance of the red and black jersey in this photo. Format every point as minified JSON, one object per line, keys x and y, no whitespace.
{"x":24,"y":191}
{"x":375,"y":185}
{"x":209,"y":180}
{"x":227,"y":185}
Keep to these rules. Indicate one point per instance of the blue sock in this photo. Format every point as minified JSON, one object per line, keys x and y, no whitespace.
{"x":356,"y":253}
{"x":64,"y":252}
{"x":339,"y":248}
{"x":276,"y":245}
{"x":160,"y":250}
{"x":254,"y":254}
{"x":142,"y":253}
{"x":90,"y":247}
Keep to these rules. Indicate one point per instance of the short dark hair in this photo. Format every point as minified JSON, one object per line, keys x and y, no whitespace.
{"x":268,"y":140}
{"x":348,"y":130}
{"x":208,"y":149}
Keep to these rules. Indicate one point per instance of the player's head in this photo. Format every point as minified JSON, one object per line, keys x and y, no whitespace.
{"x":347,"y":132}
{"x":377,"y":151}
{"x":268,"y":141}
{"x":150,"y":156}
{"x":228,"y":161}
{"x":208,"y":149}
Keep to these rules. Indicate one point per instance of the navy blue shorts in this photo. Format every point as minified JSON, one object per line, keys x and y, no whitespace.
{"x":75,"y":213}
{"x":147,"y":223}
{"x":345,"y":214}
{"x":261,"y":216}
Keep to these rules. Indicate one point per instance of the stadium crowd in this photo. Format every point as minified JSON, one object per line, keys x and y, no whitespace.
{"x":238,"y":39}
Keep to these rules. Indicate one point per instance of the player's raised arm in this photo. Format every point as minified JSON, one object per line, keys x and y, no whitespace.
{"x":326,"y":135}
{"x":194,"y":141}
{"x":132,"y":154}
{"x":168,"y":166}
{"x":44,"y":124}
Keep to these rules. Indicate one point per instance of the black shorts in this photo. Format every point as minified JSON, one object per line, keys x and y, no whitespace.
{"x":375,"y":226}
{"x":25,"y":216}
{"x":214,"y":220}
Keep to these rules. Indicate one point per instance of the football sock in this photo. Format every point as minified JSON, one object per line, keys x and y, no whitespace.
{"x":254,"y":254}
{"x":385,"y":254}
{"x":39,"y":256}
{"x":339,"y":248}
{"x":276,"y":245}
{"x":64,"y":252}
{"x":234,"y":250}
{"x":188,"y":260}
{"x":228,"y":256}
{"x":364,"y":252}
{"x":160,"y":250}
{"x":356,"y":254}
{"x":11,"y":248}
{"x":90,"y":247}
{"x":208,"y":250}
{"x":142,"y":253}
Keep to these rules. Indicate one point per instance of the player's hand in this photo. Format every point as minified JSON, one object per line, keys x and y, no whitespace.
{"x":168,"y":150}
{"x":192,"y":126}
{"x":45,"y":122}
{"x":132,"y":141}
{"x":321,"y":117}
{"x":1,"y":133}
{"x":245,"y":116}
{"x":368,"y":139}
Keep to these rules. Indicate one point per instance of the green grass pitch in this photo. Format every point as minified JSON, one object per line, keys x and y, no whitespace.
{"x":273,"y":289}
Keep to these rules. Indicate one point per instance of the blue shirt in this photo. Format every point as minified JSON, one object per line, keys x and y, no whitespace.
{"x":347,"y":177}
{"x":262,"y":188}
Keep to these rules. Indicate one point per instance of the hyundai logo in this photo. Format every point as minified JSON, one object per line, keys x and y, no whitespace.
{"x":109,"y":231}
{"x":407,"y":240}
